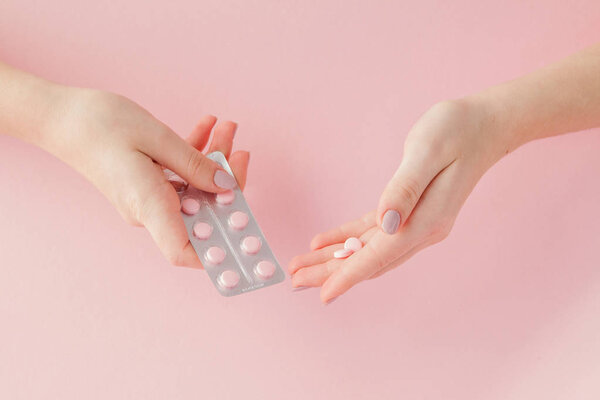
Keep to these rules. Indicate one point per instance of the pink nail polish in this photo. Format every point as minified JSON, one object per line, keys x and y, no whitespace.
{"x":390,"y":222}
{"x":223,"y":180}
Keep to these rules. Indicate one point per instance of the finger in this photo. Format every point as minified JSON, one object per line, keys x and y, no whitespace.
{"x":315,"y":275}
{"x":199,"y":136}
{"x":395,"y":264}
{"x":314,"y":257}
{"x":442,"y":199}
{"x":223,"y":138}
{"x":161,"y":217}
{"x":343,"y":232}
{"x":168,"y":149}
{"x":374,"y":256}
{"x":405,"y":188}
{"x":238,"y":162}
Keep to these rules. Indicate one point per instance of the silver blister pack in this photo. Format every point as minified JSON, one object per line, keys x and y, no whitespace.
{"x":226,"y":237}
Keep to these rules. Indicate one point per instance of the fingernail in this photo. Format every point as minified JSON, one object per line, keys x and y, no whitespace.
{"x":331,"y":301}
{"x":223,"y":180}
{"x":300,"y":288}
{"x":391,"y":222}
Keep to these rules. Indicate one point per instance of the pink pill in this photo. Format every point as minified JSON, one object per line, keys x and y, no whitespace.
{"x":215,"y":255}
{"x":202,"y":230}
{"x":225,"y":198}
{"x":238,"y":220}
{"x":353,"y":244}
{"x":190,"y":206}
{"x":264,"y":269}
{"x":251,"y":244}
{"x":229,"y":279}
{"x":342,"y":253}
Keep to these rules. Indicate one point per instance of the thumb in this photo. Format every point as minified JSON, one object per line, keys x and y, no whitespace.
{"x":404,"y":190}
{"x":180,"y":157}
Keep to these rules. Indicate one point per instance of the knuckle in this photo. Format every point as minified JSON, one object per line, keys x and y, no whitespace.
{"x":197,"y":163}
{"x":408,"y":191}
{"x":132,"y":207}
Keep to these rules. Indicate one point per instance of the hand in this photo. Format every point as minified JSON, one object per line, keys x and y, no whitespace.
{"x":121,"y":149}
{"x":445,"y":154}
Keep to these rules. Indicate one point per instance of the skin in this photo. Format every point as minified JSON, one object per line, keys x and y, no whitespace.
{"x":445,"y":154}
{"x":121,"y":148}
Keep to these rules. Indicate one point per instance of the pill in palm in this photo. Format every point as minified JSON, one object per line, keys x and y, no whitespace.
{"x":353,"y":244}
{"x":342,"y":253}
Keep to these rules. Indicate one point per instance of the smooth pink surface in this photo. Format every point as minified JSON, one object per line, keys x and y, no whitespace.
{"x":215,"y":255}
{"x":508,"y":307}
{"x":238,"y":220}
{"x":251,"y":244}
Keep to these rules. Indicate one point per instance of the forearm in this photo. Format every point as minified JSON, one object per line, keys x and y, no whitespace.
{"x":562,"y":97}
{"x":29,"y":106}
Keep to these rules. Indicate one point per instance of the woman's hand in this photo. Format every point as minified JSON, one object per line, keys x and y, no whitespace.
{"x":121,"y":148}
{"x":445,"y":154}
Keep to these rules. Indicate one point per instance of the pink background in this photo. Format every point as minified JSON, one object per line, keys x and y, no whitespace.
{"x":508,"y":307}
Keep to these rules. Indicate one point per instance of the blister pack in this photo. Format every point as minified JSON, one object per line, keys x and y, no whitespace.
{"x":226,"y":236}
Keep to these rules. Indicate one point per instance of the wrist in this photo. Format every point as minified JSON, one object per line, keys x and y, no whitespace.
{"x":494,"y":123}
{"x":499,"y":118}
{"x":30,"y":107}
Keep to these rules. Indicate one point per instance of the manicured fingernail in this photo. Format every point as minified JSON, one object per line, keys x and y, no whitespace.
{"x":330,"y":301}
{"x":223,"y":180}
{"x":391,"y":222}
{"x":300,"y":288}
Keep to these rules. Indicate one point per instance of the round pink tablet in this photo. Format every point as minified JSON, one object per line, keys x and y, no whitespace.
{"x":190,"y":206}
{"x":342,"y":253}
{"x":202,"y":230}
{"x":251,"y":244}
{"x":229,"y":279}
{"x":353,"y":244}
{"x":264,"y":269}
{"x":238,"y":220}
{"x":215,"y":255}
{"x":225,"y":198}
